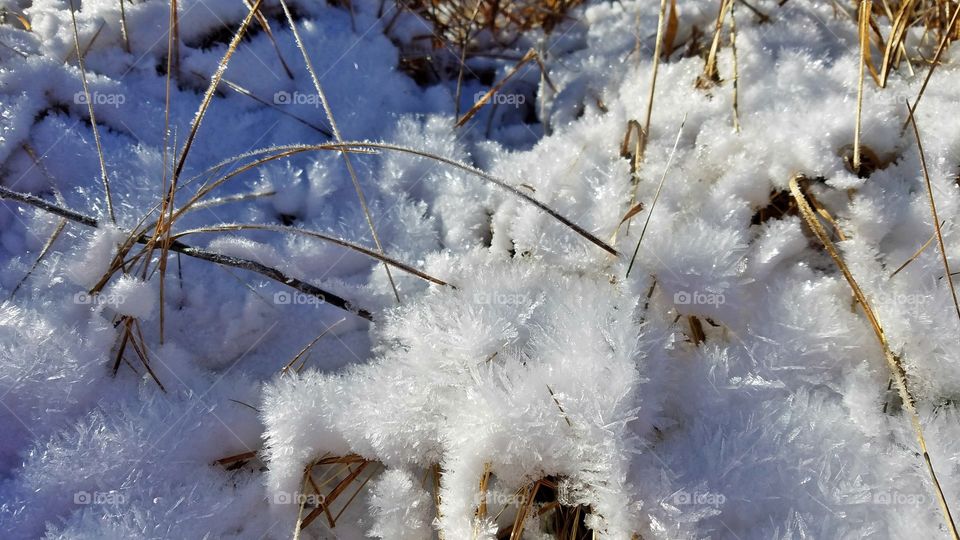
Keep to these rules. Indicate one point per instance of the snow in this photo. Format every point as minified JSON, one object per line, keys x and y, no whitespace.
{"x":131,"y":297}
{"x":400,"y":507}
{"x":542,"y":358}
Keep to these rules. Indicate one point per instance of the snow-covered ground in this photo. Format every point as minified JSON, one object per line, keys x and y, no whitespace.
{"x":540,"y":358}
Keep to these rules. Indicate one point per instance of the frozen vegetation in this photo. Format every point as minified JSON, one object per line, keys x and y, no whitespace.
{"x":535,"y":379}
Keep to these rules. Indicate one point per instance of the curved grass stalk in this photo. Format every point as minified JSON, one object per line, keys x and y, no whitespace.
{"x":493,"y":180}
{"x":313,"y":234}
{"x":366,"y":146}
{"x":339,"y":138}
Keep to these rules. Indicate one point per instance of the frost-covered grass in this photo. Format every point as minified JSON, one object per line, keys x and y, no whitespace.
{"x":231,"y":359}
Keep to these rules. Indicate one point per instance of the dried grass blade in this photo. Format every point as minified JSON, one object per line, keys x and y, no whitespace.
{"x":123,"y":27}
{"x":373,"y":473}
{"x":243,"y":91}
{"x":212,"y":88}
{"x":710,"y":73}
{"x":303,"y":501}
{"x":197,"y":253}
{"x":653,"y":78}
{"x":673,"y":24}
{"x":238,"y":457}
{"x":489,"y":178}
{"x":310,"y":345}
{"x":93,"y":119}
{"x":337,"y":136}
{"x":43,"y":253}
{"x":933,"y":210}
{"x":436,"y":496}
{"x":174,"y":38}
{"x":531,"y":54}
{"x":61,"y":225}
{"x":656,"y":197}
{"x":864,"y":34}
{"x":265,"y":24}
{"x":916,"y":253}
{"x":736,"y":67}
{"x":895,"y":42}
{"x":948,"y":31}
{"x":893,"y":362}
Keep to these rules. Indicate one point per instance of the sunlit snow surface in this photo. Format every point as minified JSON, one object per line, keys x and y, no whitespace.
{"x":544,"y":359}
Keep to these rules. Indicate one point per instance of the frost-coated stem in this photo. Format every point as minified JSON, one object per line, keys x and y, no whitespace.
{"x":489,"y":178}
{"x":212,"y":88}
{"x":198,"y":253}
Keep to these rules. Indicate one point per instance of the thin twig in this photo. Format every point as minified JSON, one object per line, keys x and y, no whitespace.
{"x":226,"y":227}
{"x":917,"y":253}
{"x":656,"y":197}
{"x":310,"y":345}
{"x":339,"y":138}
{"x":864,"y":25}
{"x":934,"y":63}
{"x":933,"y":209}
{"x":198,"y":253}
{"x":93,"y":118}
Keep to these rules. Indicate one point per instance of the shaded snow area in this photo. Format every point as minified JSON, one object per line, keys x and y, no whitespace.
{"x":729,"y":387}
